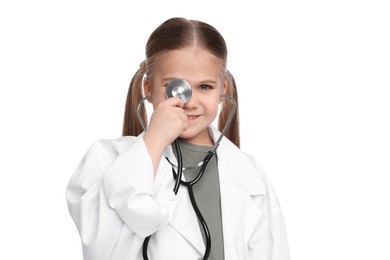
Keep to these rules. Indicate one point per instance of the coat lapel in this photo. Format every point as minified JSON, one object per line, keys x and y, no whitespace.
{"x":184,"y":220}
{"x":240,"y":181}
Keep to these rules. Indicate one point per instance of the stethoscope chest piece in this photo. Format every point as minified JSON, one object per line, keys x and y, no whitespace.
{"x":179,"y":88}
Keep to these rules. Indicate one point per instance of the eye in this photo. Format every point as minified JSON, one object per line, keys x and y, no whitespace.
{"x":204,"y":87}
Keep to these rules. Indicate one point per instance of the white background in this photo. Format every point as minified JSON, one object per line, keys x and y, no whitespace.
{"x":313,"y":80}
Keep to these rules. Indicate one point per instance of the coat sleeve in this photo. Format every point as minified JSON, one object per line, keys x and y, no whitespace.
{"x":114,"y":187}
{"x":269,"y":240}
{"x":143,"y":201}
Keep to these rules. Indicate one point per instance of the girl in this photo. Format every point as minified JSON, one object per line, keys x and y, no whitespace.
{"x":122,"y":196}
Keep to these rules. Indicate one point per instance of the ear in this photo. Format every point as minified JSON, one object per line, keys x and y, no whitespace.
{"x":223,"y":90}
{"x":225,"y":83}
{"x":147,"y":88}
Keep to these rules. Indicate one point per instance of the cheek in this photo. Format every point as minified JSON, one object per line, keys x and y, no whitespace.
{"x":157,"y":97}
{"x":213,"y":106}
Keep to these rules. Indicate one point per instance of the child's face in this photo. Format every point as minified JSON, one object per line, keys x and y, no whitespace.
{"x":203,"y":71}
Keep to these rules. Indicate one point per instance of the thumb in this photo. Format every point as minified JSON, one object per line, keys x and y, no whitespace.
{"x":175,"y":101}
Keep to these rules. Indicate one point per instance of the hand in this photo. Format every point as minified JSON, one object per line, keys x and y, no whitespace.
{"x":167,"y":122}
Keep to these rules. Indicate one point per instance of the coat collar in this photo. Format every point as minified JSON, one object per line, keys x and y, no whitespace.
{"x":240,"y":181}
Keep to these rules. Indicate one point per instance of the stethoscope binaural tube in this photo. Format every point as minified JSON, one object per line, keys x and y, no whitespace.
{"x":182,"y":89}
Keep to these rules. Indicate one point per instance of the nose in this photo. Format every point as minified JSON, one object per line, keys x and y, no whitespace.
{"x":193,"y":102}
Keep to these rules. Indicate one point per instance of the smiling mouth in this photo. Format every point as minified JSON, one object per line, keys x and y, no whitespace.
{"x":191,"y":117}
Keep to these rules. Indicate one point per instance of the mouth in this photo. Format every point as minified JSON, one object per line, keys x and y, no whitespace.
{"x":192,"y":117}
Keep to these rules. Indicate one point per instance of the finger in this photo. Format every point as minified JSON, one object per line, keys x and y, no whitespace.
{"x":180,"y":113}
{"x":175,"y":101}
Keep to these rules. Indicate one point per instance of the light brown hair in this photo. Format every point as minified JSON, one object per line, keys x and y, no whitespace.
{"x":173,"y":34}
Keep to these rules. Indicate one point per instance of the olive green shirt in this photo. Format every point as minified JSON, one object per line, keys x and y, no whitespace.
{"x":206,"y":193}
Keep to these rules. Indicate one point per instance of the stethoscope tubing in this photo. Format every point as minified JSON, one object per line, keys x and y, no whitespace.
{"x":175,"y":190}
{"x":189,"y":185}
{"x":178,"y":176}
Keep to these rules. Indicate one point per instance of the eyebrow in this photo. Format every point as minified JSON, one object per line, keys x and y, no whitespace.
{"x":168,"y":79}
{"x":209,"y":81}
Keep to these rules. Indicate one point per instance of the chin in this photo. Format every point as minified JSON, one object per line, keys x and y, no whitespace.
{"x":187,"y":135}
{"x":197,"y":137}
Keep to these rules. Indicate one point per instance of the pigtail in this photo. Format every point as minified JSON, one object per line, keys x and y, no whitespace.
{"x":233,"y":131}
{"x":131,"y":124}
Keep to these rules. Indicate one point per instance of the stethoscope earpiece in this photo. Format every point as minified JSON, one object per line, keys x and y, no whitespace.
{"x":179,"y":88}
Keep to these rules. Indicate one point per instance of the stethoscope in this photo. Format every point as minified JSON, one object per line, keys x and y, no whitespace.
{"x":182,"y":89}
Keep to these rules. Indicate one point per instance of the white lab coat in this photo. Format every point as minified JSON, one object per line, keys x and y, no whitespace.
{"x":116,"y":201}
